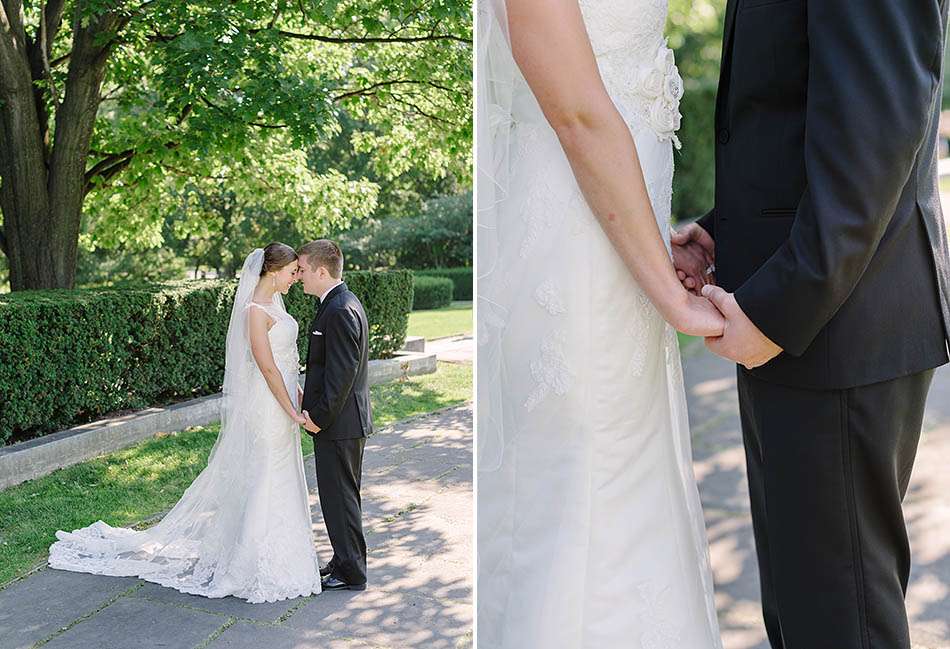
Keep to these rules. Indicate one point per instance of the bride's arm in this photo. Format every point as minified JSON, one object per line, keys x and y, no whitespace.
{"x":264,"y":357}
{"x":550,"y":45}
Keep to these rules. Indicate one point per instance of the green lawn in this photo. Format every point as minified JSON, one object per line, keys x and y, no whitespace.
{"x":131,"y":485}
{"x":438,"y":323}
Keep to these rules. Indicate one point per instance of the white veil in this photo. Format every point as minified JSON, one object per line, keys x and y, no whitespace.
{"x":496,"y":74}
{"x":239,"y":363}
{"x":193,"y":548}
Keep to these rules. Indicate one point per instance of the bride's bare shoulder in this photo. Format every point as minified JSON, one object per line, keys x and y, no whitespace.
{"x":259,"y":316}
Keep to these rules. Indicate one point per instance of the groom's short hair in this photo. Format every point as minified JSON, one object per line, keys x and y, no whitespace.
{"x":323,"y":252}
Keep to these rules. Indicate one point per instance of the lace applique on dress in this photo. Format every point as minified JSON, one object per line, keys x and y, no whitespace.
{"x":641,"y":332}
{"x":654,"y":611}
{"x":674,"y":360}
{"x":637,"y":66}
{"x":527,"y":136}
{"x":550,"y":370}
{"x":540,"y":211}
{"x":549,"y":297}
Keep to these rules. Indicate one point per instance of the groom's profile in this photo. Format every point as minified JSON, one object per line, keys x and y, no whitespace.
{"x":337,"y":406}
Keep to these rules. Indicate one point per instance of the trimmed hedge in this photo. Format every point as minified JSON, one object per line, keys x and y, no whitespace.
{"x":67,"y":357}
{"x":431,"y":292}
{"x":694,"y":183}
{"x":461,"y":278}
{"x":386,"y":297}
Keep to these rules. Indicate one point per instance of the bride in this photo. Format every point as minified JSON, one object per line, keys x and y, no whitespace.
{"x":590,"y":530}
{"x":243,"y":527}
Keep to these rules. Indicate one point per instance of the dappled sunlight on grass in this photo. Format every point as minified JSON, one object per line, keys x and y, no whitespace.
{"x":450,"y":385}
{"x":127,"y":486}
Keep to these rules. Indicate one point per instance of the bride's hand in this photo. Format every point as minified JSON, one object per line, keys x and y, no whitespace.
{"x":300,"y":419}
{"x":697,"y":316}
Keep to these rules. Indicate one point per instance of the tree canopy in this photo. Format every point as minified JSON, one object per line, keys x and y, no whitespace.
{"x":114,"y":114}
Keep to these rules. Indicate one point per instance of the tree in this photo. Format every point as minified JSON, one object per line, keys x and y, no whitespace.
{"x":112,"y":108}
{"x":438,"y":236}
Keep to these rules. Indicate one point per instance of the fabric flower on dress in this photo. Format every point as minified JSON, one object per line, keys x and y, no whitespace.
{"x":662,"y":84}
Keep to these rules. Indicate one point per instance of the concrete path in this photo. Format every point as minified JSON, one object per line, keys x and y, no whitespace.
{"x":720,"y":469}
{"x":417,"y":497}
{"x":453,"y":349}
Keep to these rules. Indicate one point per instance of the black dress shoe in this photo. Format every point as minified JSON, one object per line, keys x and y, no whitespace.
{"x":326,"y":570}
{"x":335,"y":583}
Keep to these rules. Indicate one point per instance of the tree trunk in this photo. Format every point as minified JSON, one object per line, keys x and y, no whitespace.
{"x":43,"y":188}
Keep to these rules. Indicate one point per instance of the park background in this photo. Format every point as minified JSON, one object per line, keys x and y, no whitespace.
{"x":146,"y":147}
{"x":216,"y":128}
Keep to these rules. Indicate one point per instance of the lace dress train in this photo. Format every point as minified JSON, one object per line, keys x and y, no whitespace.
{"x":243,"y":527}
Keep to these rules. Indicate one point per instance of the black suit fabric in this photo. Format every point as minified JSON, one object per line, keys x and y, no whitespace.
{"x":828,"y":470}
{"x":336,"y":395}
{"x":829,"y":231}
{"x":827,"y":218}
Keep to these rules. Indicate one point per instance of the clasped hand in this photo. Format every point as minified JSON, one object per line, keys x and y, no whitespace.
{"x":741,"y":340}
{"x":304,"y":417}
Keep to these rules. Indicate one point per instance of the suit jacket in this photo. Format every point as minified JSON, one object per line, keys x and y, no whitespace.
{"x":827,"y":218}
{"x":336,"y":390}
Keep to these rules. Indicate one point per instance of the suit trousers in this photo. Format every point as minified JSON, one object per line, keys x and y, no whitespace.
{"x":828,"y":470}
{"x":339,"y":470}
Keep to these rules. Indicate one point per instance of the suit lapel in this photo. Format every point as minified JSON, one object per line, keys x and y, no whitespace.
{"x":336,"y":290}
{"x":339,"y":288}
{"x":729,"y":26}
{"x":725,"y":65}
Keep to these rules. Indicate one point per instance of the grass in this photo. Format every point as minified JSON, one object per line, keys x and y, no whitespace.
{"x":438,"y":323}
{"x":686,"y":340}
{"x":133,"y":484}
{"x":451,"y":385}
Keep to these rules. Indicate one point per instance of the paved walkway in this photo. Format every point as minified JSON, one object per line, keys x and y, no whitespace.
{"x":417,"y":495}
{"x":453,"y":349}
{"x":720,"y":469}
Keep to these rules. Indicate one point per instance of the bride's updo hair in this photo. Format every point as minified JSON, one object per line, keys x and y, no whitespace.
{"x":276,"y":256}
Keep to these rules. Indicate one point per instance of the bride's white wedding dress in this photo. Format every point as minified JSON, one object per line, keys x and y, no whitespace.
{"x":590,"y":529}
{"x":243,"y":527}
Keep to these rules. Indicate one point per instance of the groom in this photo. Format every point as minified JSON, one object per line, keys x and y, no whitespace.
{"x":337,"y":407}
{"x":833,"y":275}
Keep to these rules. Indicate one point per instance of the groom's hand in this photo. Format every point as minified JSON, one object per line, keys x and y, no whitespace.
{"x":694,"y":255}
{"x":312,"y":427}
{"x":741,"y":340}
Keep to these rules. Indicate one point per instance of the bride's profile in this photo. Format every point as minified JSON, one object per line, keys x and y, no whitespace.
{"x":243,"y":527}
{"x":590,"y":529}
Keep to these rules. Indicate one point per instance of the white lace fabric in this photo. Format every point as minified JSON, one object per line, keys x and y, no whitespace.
{"x":637,"y":67}
{"x":243,"y":527}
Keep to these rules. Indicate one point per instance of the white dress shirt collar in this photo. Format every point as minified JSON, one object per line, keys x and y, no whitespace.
{"x":326,"y":292}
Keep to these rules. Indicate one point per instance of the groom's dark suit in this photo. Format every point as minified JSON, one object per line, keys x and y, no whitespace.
{"x":829,"y":231}
{"x":336,"y":395}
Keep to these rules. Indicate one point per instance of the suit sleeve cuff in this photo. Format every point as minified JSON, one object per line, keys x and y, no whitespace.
{"x":708,"y":223}
{"x":765,"y":309}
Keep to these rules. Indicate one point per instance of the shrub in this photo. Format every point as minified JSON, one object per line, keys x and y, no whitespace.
{"x":71,"y":356}
{"x":461,"y":278}
{"x":431,"y":292}
{"x":439,"y":236}
{"x":386,"y":297}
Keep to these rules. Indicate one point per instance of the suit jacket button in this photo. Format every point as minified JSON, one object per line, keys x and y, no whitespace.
{"x":723,"y":135}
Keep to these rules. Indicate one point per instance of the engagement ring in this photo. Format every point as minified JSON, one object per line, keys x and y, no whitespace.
{"x":710,"y":269}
